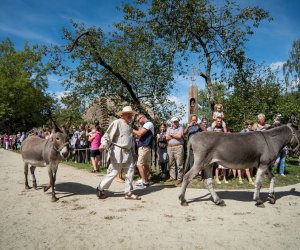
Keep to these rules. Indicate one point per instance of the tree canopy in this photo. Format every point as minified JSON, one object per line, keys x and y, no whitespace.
{"x":292,"y":66}
{"x":253,"y":90}
{"x":215,"y":34}
{"x":23,"y":83}
{"x":125,"y":65}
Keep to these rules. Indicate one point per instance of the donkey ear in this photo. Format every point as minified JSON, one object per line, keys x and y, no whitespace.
{"x":293,"y":121}
{"x":52,"y":133}
{"x":63,"y":130}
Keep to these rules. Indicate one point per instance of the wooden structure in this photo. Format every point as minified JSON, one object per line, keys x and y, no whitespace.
{"x":193,"y":94}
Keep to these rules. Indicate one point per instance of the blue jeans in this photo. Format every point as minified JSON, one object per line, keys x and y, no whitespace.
{"x":280,"y":161}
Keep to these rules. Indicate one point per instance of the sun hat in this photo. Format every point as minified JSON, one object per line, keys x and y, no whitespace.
{"x":126,"y":109}
{"x":174,"y":119}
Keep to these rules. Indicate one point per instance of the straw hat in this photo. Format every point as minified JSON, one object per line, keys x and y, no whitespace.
{"x":126,"y":109}
{"x":174,"y":119}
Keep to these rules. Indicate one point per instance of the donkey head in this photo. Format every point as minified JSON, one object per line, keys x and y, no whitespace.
{"x":294,"y":144}
{"x":60,"y":142}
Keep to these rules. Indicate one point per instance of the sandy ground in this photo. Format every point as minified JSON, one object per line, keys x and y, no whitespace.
{"x":29,"y":220}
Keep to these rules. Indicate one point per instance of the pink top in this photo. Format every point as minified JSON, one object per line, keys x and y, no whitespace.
{"x":95,"y":144}
{"x":6,"y":138}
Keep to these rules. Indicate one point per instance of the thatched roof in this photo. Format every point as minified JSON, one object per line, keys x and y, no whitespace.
{"x":104,"y":110}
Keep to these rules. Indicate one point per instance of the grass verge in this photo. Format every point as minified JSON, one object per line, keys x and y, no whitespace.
{"x":292,"y":177}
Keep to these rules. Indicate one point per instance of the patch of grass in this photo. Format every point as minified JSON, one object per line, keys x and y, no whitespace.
{"x":292,"y":177}
{"x":87,"y":166}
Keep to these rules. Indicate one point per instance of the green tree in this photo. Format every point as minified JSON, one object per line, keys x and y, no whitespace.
{"x":126,"y":65}
{"x":253,"y":90}
{"x":23,"y":82}
{"x":215,"y":34}
{"x":292,"y":66}
{"x":70,"y":110}
{"x":203,"y":99}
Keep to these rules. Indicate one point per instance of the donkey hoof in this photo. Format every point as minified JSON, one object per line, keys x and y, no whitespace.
{"x":184,"y":204}
{"x":54,"y":199}
{"x":271,"y":200}
{"x":221,"y":203}
{"x":46,"y":189}
{"x":27,"y":187}
{"x":260,"y":204}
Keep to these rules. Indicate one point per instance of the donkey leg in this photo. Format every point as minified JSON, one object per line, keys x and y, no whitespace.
{"x":52,"y":181}
{"x":259,"y":176}
{"x":26,"y":175}
{"x":186,"y":180}
{"x":50,"y":176}
{"x":208,"y":172}
{"x":271,"y":197}
{"x":32,"y":169}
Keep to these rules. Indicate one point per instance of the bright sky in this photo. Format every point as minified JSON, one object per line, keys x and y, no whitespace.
{"x":41,"y":22}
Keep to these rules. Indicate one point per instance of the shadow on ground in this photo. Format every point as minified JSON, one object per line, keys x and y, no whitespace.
{"x":245,"y":196}
{"x":73,"y":188}
{"x":67,"y":189}
{"x":140,"y":192}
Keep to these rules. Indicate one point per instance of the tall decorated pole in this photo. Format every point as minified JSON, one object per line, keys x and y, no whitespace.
{"x":193,"y":93}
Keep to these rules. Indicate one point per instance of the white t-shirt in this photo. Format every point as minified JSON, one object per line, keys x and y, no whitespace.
{"x":149,"y":126}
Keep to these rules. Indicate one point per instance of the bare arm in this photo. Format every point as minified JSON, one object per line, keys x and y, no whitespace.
{"x":91,"y":138}
{"x":139,"y":132}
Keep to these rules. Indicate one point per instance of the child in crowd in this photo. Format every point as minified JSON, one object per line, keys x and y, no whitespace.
{"x":162,"y":150}
{"x":218,"y":113}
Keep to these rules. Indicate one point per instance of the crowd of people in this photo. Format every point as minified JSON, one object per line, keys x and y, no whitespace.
{"x":171,"y":146}
{"x":128,"y":147}
{"x":121,"y":140}
{"x":12,"y":141}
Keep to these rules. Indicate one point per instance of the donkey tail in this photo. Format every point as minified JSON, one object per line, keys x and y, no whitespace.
{"x":187,"y":165}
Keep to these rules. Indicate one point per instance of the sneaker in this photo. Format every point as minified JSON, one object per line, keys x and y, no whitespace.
{"x":218,"y":181}
{"x":146,"y":184}
{"x":283,"y":175}
{"x":139,"y":184}
{"x":241,"y":182}
{"x":142,"y":185}
{"x":163,"y":176}
{"x":226,"y":182}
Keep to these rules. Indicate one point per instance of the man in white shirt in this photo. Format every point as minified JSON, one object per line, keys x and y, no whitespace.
{"x":145,"y":135}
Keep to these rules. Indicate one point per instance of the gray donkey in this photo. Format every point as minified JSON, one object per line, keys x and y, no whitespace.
{"x":38,"y":152}
{"x":239,"y":151}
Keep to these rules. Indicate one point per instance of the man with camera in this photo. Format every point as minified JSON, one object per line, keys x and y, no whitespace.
{"x":193,"y":127}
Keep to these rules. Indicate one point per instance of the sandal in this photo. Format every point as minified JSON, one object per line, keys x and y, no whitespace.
{"x":100,"y":194}
{"x":120,"y":180}
{"x":131,"y":196}
{"x":93,"y":171}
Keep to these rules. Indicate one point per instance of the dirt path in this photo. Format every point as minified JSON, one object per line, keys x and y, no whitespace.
{"x":29,"y":220}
